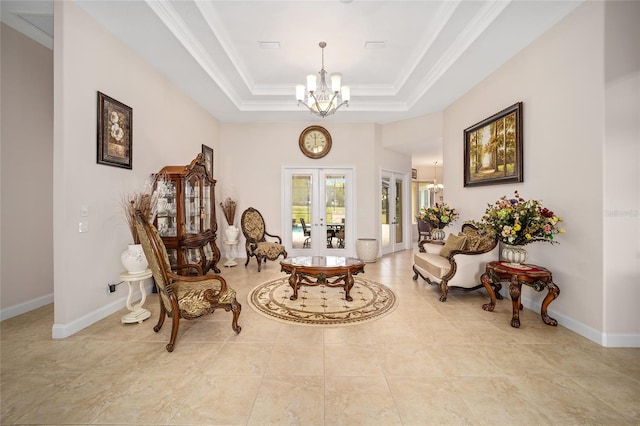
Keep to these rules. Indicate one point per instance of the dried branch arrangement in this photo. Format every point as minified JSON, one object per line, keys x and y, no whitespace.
{"x":229,"y":209}
{"x":146,"y":201}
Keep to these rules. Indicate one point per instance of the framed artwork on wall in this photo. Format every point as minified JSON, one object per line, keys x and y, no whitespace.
{"x":208,"y":158}
{"x":493,"y":149}
{"x":115,"y":130}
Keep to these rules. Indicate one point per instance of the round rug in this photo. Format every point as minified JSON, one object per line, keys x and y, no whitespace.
{"x":322,"y":305}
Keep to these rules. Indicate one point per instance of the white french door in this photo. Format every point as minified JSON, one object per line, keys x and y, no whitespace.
{"x":318,"y":210}
{"x":392,"y":218}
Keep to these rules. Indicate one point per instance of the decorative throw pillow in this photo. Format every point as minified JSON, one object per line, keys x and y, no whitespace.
{"x":454,"y":242}
{"x":474,"y":239}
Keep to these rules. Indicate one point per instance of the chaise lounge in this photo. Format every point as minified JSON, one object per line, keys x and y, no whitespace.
{"x":458,"y":264}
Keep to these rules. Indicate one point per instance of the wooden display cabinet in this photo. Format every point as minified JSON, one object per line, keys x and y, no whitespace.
{"x":186,"y":218}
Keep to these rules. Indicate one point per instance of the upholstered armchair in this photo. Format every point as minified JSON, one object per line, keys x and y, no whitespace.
{"x":187,"y":297}
{"x":253,"y":228}
{"x":458,"y":264}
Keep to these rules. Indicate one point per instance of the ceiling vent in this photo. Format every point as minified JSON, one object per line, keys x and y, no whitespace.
{"x":375,"y":44}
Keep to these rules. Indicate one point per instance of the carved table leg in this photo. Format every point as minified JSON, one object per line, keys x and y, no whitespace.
{"x":293,"y":282}
{"x":497,"y":290}
{"x":348,"y":283}
{"x":492,"y":295}
{"x":553,"y":293}
{"x":514,"y":291}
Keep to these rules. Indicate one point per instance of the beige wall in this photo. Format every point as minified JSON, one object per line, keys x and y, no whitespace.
{"x":621,"y":229}
{"x":168,"y":128}
{"x":560,"y":80}
{"x":252,"y":155}
{"x":26,"y":264}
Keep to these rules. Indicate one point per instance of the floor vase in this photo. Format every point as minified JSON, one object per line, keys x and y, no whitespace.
{"x":367,"y":249}
{"x":133,"y":259}
{"x":232,"y":233}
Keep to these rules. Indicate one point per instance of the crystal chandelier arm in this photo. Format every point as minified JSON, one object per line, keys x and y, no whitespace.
{"x":318,"y":111}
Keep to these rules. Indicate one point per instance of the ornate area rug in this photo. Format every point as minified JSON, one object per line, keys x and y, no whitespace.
{"x":321,"y":305}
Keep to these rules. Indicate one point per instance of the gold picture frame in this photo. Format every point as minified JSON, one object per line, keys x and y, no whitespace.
{"x":115,"y":130}
{"x":493,"y":149}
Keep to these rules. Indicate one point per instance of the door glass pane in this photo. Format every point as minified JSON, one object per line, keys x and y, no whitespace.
{"x":385,"y":219}
{"x":398,"y":213}
{"x":334,"y":189}
{"x":301,"y":196}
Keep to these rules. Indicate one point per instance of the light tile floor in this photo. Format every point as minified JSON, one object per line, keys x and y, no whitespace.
{"x":426,"y":363}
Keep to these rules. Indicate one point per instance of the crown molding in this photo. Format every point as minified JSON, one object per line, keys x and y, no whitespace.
{"x":175,"y":24}
{"x":442,"y":17}
{"x":485,"y":16}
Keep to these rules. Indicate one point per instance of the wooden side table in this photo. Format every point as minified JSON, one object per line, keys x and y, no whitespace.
{"x":138,"y":313}
{"x":533,"y":276}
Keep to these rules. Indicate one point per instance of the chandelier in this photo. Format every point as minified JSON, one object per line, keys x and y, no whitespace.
{"x":318,"y":98}
{"x":435,"y":187}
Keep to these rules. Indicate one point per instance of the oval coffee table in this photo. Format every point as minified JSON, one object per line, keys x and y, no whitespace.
{"x":305,"y":268}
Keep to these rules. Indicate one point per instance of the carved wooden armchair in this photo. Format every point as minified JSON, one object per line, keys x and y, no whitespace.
{"x":424,"y":229}
{"x":256,"y":244}
{"x":459,"y":263}
{"x":187,"y":297}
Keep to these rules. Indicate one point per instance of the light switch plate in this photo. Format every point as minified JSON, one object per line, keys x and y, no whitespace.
{"x":83,"y":227}
{"x":84,"y":211}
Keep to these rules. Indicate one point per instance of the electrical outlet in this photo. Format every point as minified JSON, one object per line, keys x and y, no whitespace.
{"x":111,"y":288}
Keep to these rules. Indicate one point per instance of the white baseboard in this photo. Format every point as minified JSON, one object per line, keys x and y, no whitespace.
{"x":61,"y":331}
{"x":603,"y":339}
{"x":14,"y":311}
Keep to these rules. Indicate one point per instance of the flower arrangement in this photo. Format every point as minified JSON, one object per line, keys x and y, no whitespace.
{"x":146,"y":201}
{"x":229,"y":210}
{"x":439,"y":216}
{"x":518,"y":221}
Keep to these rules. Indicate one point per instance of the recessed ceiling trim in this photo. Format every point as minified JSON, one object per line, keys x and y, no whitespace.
{"x":485,"y":16}
{"x":216,"y":25}
{"x":288,"y":106}
{"x":358,"y":90}
{"x":443,"y":16}
{"x":39,"y":21}
{"x":179,"y":29}
{"x":21,"y":23}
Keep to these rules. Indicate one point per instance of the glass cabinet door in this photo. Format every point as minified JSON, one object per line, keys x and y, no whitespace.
{"x":207,"y":208}
{"x":192,"y":206}
{"x":167,"y":209}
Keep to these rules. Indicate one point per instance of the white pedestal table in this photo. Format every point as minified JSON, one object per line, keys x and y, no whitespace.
{"x":138,"y":313}
{"x":231,"y":254}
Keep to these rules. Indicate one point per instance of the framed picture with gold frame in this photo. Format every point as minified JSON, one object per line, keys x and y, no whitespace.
{"x":115,"y":129}
{"x":493,"y":149}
